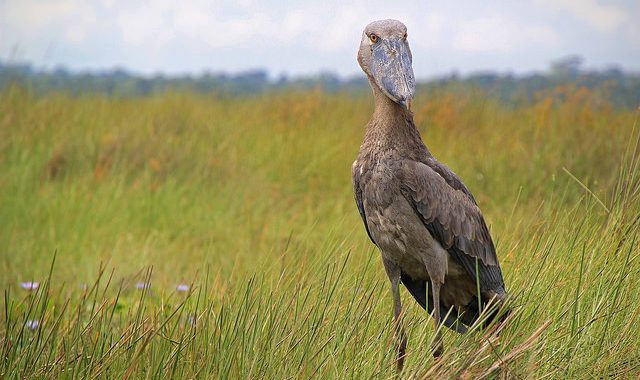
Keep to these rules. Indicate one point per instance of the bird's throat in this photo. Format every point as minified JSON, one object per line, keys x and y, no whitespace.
{"x":387,"y":108}
{"x":391,"y":125}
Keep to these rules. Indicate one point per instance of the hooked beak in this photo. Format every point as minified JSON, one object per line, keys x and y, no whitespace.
{"x":392,"y":70}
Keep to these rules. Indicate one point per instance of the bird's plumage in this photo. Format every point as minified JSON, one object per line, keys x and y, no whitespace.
{"x":453,"y":219}
{"x":445,"y":207}
{"x":427,"y":225}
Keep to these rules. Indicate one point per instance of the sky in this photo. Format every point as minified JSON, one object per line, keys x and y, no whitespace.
{"x":306,"y":37}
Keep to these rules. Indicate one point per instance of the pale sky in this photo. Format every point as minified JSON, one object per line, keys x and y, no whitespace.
{"x":306,"y":36}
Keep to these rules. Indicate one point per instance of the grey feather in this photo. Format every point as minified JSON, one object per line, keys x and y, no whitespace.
{"x":454,"y":219}
{"x":427,"y":225}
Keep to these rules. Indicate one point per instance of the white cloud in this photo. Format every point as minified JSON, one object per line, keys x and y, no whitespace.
{"x":604,"y":18}
{"x":157,"y":24}
{"x":147,"y":25}
{"x":496,"y":34}
{"x":76,"y":33}
{"x":633,"y":31}
{"x":108,"y":3}
{"x":151,"y":35}
{"x":431,"y":31}
{"x":29,"y":20}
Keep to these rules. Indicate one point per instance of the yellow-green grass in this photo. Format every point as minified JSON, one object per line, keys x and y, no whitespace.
{"x":248,"y":201}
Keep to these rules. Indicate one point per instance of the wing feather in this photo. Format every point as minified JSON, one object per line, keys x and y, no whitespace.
{"x":451,"y":215}
{"x":358,"y":190}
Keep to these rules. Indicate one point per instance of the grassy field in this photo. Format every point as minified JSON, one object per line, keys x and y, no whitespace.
{"x":248,"y":202}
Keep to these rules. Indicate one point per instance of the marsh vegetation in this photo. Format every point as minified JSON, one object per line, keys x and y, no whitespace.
{"x":246,"y":204}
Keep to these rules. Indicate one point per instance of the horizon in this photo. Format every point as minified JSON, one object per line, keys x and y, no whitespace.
{"x":271,"y":76}
{"x":302,"y":39}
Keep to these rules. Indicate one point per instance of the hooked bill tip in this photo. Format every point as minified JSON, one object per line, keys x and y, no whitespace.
{"x":407,"y":103}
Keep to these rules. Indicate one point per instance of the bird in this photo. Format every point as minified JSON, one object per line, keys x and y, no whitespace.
{"x":426,"y":224}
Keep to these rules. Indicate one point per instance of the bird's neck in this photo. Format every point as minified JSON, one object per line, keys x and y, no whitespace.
{"x":387,"y":108}
{"x":392,"y":127}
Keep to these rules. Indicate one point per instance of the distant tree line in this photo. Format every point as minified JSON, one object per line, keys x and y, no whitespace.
{"x":619,"y":87}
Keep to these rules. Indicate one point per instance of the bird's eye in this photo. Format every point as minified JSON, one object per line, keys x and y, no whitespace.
{"x":405,"y":36}
{"x":373,"y":38}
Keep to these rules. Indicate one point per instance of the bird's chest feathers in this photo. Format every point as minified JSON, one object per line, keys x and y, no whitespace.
{"x":383,"y":186}
{"x":387,"y":210}
{"x":395,"y":226}
{"x":394,"y":230}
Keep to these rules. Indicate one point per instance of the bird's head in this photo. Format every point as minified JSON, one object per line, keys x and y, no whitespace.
{"x":385,"y":57}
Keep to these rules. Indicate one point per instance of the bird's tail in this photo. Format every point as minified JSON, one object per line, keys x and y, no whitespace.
{"x":493,"y":307}
{"x":460,"y":319}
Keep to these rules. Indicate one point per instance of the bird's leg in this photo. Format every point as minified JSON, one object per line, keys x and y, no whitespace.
{"x":399,"y":334}
{"x":437,"y":346}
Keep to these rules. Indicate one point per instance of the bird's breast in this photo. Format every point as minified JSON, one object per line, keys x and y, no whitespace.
{"x":393,"y":224}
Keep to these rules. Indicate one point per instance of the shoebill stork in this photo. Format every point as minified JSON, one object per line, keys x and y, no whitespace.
{"x":426,"y":223}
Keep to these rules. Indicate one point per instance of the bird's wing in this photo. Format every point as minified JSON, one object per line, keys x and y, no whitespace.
{"x":451,"y":216}
{"x":359,"y":178}
{"x":449,"y":176}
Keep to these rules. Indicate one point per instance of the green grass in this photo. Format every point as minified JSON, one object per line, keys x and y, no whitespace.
{"x":249,"y":202}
